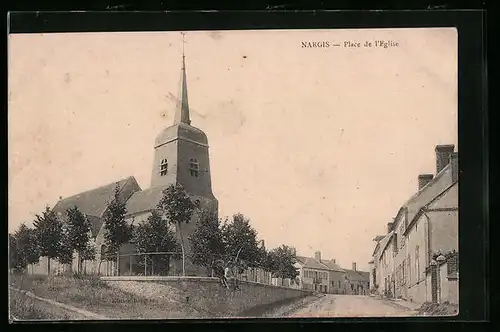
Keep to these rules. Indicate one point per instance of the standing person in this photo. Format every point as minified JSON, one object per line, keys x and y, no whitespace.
{"x":220,"y":273}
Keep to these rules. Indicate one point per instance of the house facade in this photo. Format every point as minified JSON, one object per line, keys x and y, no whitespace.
{"x":356,"y":282}
{"x":425,"y":228}
{"x":325,"y":276}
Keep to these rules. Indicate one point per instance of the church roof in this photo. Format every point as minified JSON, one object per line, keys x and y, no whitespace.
{"x":93,"y":202}
{"x":145,"y":200}
{"x":95,"y":224}
{"x":181,"y":131}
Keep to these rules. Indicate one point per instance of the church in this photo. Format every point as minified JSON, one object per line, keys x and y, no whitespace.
{"x":181,"y":155}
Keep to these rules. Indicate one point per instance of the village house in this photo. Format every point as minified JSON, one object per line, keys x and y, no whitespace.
{"x":417,"y":260}
{"x":325,"y":276}
{"x":356,"y":282}
{"x":181,"y":156}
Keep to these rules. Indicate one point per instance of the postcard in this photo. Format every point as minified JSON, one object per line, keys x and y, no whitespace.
{"x":230,"y":174}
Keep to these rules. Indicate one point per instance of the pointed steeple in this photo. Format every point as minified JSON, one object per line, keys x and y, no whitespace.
{"x":182,"y":110}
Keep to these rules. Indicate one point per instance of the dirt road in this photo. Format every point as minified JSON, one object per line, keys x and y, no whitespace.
{"x":331,"y":305}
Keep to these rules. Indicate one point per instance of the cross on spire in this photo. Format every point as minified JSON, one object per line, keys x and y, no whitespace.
{"x":183,"y":42}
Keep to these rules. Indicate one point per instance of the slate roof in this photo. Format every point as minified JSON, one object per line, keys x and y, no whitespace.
{"x":95,"y":224}
{"x":432,"y":190}
{"x":383,"y":243}
{"x":144,"y":200}
{"x":428,"y":193}
{"x":436,"y":199}
{"x":357,"y":275}
{"x":181,"y":131}
{"x":91,"y":202}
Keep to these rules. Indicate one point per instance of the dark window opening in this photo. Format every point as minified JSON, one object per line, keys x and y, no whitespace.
{"x":194,"y":167}
{"x":163,"y":167}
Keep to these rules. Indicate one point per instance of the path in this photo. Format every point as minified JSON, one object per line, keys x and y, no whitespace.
{"x":77,"y":312}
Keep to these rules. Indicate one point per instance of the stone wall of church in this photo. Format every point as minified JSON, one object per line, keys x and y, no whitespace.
{"x":167,"y":151}
{"x":200,"y":185}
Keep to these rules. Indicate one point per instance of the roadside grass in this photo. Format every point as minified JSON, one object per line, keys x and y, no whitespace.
{"x":92,"y":294}
{"x":23,"y":307}
{"x":435,"y":309}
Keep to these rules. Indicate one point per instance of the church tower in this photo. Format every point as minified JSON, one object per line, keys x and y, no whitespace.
{"x":181,"y":150}
{"x":181,"y":156}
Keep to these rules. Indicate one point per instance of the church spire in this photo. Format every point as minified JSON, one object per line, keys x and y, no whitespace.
{"x":182,"y":110}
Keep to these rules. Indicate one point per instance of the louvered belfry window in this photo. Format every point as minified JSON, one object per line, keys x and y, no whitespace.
{"x":194,"y":167}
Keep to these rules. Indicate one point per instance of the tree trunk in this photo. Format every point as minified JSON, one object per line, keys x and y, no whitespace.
{"x":99,"y":267}
{"x":48,"y":265}
{"x":183,"y":251}
{"x":80,"y":264}
{"x":153,"y":265}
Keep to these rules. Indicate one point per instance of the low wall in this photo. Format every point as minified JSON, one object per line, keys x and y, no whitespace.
{"x":212,"y":297}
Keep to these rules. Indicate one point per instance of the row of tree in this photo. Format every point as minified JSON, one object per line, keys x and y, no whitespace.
{"x":213,"y":240}
{"x":51,"y":238}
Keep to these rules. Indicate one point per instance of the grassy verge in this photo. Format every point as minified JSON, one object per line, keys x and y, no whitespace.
{"x":92,"y":294}
{"x":435,"y":309}
{"x":23,"y":307}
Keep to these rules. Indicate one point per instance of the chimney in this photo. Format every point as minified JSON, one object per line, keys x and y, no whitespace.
{"x":60,"y":197}
{"x":334,"y":261}
{"x":390,"y":227}
{"x":317,"y":255}
{"x":423,"y":179}
{"x":443,"y":154}
{"x":454,"y":167}
{"x":354,"y":266}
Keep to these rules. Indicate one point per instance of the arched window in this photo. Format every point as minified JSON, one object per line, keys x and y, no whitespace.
{"x":194,"y":167}
{"x":163,"y":167}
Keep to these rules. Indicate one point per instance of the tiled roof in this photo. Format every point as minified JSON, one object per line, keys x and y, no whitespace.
{"x":311,"y":263}
{"x":145,"y":200}
{"x":93,"y":202}
{"x":330,"y":264}
{"x":357,"y":275}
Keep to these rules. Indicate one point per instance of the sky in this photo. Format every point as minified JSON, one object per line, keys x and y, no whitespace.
{"x":319,"y":147}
